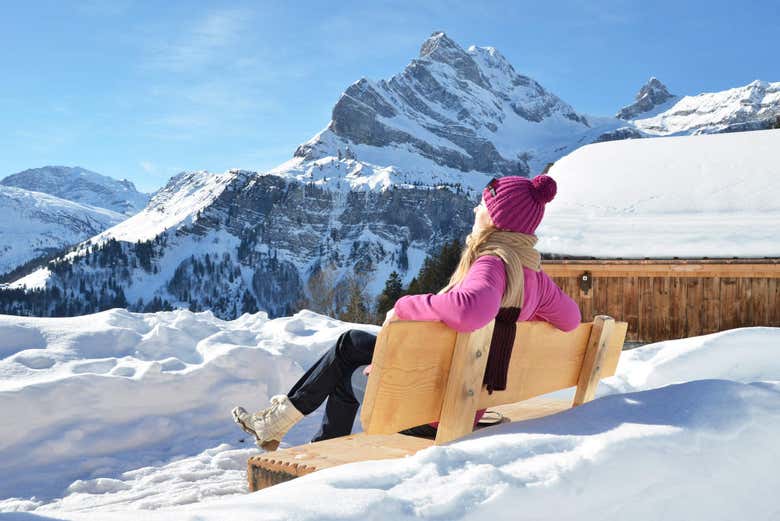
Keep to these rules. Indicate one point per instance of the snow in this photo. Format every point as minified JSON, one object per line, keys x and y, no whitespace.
{"x":689,"y":196}
{"x":713,"y":111}
{"x":81,"y":186}
{"x":125,"y":416}
{"x":177,"y":203}
{"x":35,"y":223}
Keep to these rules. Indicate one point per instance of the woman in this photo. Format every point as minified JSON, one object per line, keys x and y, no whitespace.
{"x":498,"y":276}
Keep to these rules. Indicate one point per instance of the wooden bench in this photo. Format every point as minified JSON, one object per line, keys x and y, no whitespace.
{"x":424,"y":372}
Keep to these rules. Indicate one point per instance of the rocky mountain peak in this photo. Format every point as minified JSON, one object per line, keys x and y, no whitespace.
{"x":440,"y":47}
{"x":652,"y":95}
{"x":452,"y":107}
{"x":655,"y":90}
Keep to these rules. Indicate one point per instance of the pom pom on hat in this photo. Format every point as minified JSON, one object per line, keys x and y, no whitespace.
{"x":517,"y":203}
{"x":545,"y":188}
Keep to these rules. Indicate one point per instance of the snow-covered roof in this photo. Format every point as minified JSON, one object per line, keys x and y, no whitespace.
{"x":691,"y":196}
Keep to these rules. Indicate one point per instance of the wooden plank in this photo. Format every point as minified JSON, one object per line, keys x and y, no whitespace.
{"x":661,"y":324}
{"x":270,"y":468}
{"x":544,"y":359}
{"x":669,"y":268}
{"x":694,"y":307}
{"x":595,"y":354}
{"x":774,"y":302}
{"x":759,"y":302}
{"x":615,"y":294}
{"x":464,"y":384}
{"x":677,"y":308}
{"x":645,"y":325}
{"x":409,"y":373}
{"x":664,"y":260}
{"x":729,"y":303}
{"x":744,"y":296}
{"x":532,"y":408}
{"x":614,"y":348}
{"x":630,"y":312}
{"x":710,"y":305}
{"x":600,"y":296}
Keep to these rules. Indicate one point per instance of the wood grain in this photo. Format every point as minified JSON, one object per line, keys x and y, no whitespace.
{"x":593,"y":361}
{"x":270,"y":468}
{"x":693,"y":307}
{"x":646,"y":311}
{"x":774,"y":302}
{"x":710,"y":307}
{"x":630,"y":312}
{"x":677,"y":308}
{"x":409,"y":373}
{"x":770,"y":268}
{"x":464,"y":384}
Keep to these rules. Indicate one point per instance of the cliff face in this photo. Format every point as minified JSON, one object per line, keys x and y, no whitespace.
{"x":467,"y":110}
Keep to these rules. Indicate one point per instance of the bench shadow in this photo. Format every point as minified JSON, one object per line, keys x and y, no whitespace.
{"x":697,"y":404}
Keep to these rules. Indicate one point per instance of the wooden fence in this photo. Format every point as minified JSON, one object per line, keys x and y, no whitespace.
{"x":667,"y":299}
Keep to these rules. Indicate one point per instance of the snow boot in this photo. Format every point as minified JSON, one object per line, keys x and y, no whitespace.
{"x":271,"y":424}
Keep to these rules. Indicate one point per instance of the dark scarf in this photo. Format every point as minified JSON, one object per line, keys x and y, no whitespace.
{"x":501,"y":344}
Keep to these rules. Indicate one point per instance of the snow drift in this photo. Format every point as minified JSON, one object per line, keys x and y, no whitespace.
{"x":122,"y":415}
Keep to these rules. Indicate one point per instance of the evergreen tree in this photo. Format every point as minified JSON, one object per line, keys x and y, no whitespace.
{"x":120,"y":301}
{"x":357,"y":309}
{"x":437,"y":269}
{"x":248,"y":303}
{"x":392,"y":292}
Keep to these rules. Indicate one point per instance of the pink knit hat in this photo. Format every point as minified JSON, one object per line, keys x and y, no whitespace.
{"x":517,"y":203}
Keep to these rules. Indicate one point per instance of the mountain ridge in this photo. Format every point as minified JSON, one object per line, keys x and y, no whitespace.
{"x":80,"y":185}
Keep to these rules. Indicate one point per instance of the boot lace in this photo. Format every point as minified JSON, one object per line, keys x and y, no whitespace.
{"x":276,"y":401}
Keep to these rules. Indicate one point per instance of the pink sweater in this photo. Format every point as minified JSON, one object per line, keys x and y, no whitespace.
{"x":475,"y":301}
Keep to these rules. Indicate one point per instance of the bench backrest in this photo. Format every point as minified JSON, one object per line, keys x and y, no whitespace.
{"x":424,"y":371}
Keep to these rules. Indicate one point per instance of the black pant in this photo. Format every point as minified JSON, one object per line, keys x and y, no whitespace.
{"x":330,"y":378}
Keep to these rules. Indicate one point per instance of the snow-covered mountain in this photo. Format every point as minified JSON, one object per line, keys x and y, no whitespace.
{"x":81,"y":186}
{"x":467,"y":110}
{"x":33,"y":224}
{"x":652,"y":98}
{"x":393,"y":176}
{"x":755,"y":106}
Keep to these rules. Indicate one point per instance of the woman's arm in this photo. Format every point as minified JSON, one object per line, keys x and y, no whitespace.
{"x":556,"y":307}
{"x":466,"y":308}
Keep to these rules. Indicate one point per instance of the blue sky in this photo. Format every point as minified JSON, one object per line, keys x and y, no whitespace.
{"x":144,"y":89}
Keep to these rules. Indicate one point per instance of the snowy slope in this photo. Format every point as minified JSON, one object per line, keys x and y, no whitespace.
{"x":176,"y":203}
{"x":34,"y":224}
{"x":81,"y":186}
{"x":710,"y":195}
{"x":753,"y":106}
{"x":125,"y":416}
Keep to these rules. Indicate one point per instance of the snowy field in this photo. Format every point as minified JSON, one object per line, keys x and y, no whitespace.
{"x":125,"y":416}
{"x":710,"y":195}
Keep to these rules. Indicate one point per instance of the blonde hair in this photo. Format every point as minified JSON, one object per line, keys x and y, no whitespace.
{"x":514,"y":248}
